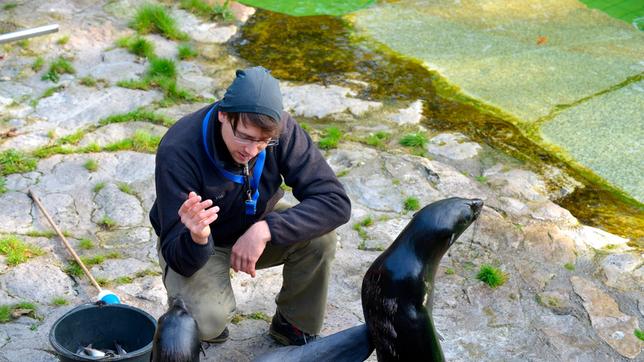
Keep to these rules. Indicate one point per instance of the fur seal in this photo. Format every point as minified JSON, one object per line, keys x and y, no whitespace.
{"x":398,"y":288}
{"x":349,"y":345}
{"x":176,"y":338}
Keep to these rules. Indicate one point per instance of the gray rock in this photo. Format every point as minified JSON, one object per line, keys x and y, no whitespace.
{"x":37,"y":282}
{"x":454,"y":146}
{"x":26,"y":142}
{"x":111,"y":269}
{"x":521,"y":184}
{"x":624,"y":271}
{"x":410,"y":115}
{"x":204,"y":32}
{"x":192,"y":78}
{"x":547,"y":242}
{"x":588,"y":236}
{"x":562,"y":332}
{"x":314,"y":100}
{"x":130,"y":237}
{"x":124,"y":209}
{"x":557,"y":301}
{"x":613,"y":326}
{"x":116,"y":65}
{"x":86,"y":106}
{"x":115,"y":132}
{"x":15,"y":215}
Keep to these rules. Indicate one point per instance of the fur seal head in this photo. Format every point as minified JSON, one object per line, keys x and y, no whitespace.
{"x":176,"y":338}
{"x":397,"y":290}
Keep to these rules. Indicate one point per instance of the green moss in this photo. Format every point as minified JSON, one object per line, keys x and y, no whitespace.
{"x":123,"y":280}
{"x":261,"y":316}
{"x":17,"y":251}
{"x":185,"y":52}
{"x":85,"y":244}
{"x":223,"y":11}
{"x":73,"y":269}
{"x":330,"y":139}
{"x":38,"y":64}
{"x":482,"y":179}
{"x":107,"y":223}
{"x":91,"y":165}
{"x":9,"y":6}
{"x":63,"y":40}
{"x":147,"y":272}
{"x":87,"y":81}
{"x":342,"y":173}
{"x":450,"y":271}
{"x":411,"y":204}
{"x":237,"y":318}
{"x":3,"y":185}
{"x":43,"y":234}
{"x":491,"y":276}
{"x":59,"y":301}
{"x":139,"y":114}
{"x":51,"y":90}
{"x":103,"y":282}
{"x":14,"y":161}
{"x":141,"y":142}
{"x":156,"y":19}
{"x":569,"y":266}
{"x":98,"y":186}
{"x":48,"y":151}
{"x":134,"y":84}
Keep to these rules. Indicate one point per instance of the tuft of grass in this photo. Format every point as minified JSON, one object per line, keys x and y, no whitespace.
{"x":72,"y":139}
{"x":44,"y":234}
{"x":142,"y":141}
{"x":156,"y":19}
{"x":58,"y":67}
{"x":59,"y":301}
{"x":9,"y":6}
{"x":103,"y":282}
{"x":138,"y":46}
{"x":224,"y":12}
{"x":367,"y":221}
{"x":91,"y":165}
{"x":98,"y":186}
{"x":147,"y":272}
{"x":411,"y":204}
{"x":123,"y":280}
{"x":90,"y":261}
{"x":491,"y":276}
{"x":260,"y":316}
{"x":47,"y":151}
{"x":51,"y":90}
{"x":63,"y":40}
{"x":5,"y":313}
{"x":38,"y":64}
{"x":449,"y":271}
{"x":417,"y":140}
{"x":3,"y":185}
{"x":73,"y":269}
{"x":639,"y":334}
{"x":87,"y":81}
{"x":332,"y":136}
{"x":14,"y":161}
{"x":138,"y":115}
{"x":107,"y":223}
{"x":378,"y":139}
{"x":162,"y":67}
{"x":185,"y":52}
{"x":237,"y":318}
{"x":197,"y":7}
{"x":569,"y":266}
{"x":482,"y":179}
{"x":17,"y":251}
{"x":342,"y":173}
{"x":134,"y":84}
{"x":51,"y":134}
{"x":126,"y":188}
{"x":85,"y":244}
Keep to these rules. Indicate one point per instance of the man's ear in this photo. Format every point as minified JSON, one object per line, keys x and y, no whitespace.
{"x":221,"y":116}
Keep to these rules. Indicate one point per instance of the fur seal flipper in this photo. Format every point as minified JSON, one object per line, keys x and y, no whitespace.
{"x":349,"y":345}
{"x":176,"y":338}
{"x":398,"y":288}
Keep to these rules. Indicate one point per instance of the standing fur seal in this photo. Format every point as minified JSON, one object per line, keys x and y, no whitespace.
{"x":398,"y":288}
{"x":176,"y":338}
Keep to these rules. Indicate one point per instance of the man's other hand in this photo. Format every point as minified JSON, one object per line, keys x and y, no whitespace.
{"x":196,"y":216}
{"x":249,"y":247}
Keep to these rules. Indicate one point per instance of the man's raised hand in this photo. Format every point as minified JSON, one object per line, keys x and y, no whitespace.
{"x":196,"y":216}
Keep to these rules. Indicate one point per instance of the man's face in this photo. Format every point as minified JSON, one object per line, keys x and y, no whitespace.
{"x":243,"y":143}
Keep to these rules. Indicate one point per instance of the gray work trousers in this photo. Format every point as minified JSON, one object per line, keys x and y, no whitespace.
{"x":301,"y":301}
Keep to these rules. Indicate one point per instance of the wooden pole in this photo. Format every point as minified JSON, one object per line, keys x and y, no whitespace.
{"x":67,"y":245}
{"x":28,"y":33}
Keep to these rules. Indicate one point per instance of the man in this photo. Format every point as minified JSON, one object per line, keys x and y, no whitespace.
{"x":218,"y":175}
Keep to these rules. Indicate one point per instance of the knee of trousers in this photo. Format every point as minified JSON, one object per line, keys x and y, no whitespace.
{"x":212,"y":320}
{"x":325,"y":245}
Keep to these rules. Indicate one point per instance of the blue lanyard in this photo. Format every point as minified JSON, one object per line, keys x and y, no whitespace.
{"x":251,"y":202}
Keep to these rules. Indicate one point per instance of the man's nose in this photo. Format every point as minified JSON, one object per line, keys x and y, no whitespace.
{"x":253,"y":149}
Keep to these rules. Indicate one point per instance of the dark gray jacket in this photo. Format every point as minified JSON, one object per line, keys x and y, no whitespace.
{"x":182,"y":165}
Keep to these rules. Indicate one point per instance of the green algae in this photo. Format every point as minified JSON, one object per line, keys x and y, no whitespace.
{"x":308,"y":7}
{"x":324,"y":50}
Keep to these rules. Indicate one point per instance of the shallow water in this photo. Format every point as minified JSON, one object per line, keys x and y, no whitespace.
{"x":324,"y":49}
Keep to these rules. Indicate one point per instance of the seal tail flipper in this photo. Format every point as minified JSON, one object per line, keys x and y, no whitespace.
{"x":349,"y":345}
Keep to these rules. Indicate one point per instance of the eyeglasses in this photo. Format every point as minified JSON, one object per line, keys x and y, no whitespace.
{"x":243,"y":139}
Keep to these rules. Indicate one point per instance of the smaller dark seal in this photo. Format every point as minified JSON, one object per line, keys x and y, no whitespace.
{"x":176,"y":338}
{"x":398,"y":288}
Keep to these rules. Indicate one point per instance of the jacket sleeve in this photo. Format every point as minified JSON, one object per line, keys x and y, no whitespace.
{"x":174,"y":179}
{"x":324,"y":205}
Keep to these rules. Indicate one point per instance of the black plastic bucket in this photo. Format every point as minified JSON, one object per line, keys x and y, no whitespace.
{"x":102,"y":325}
